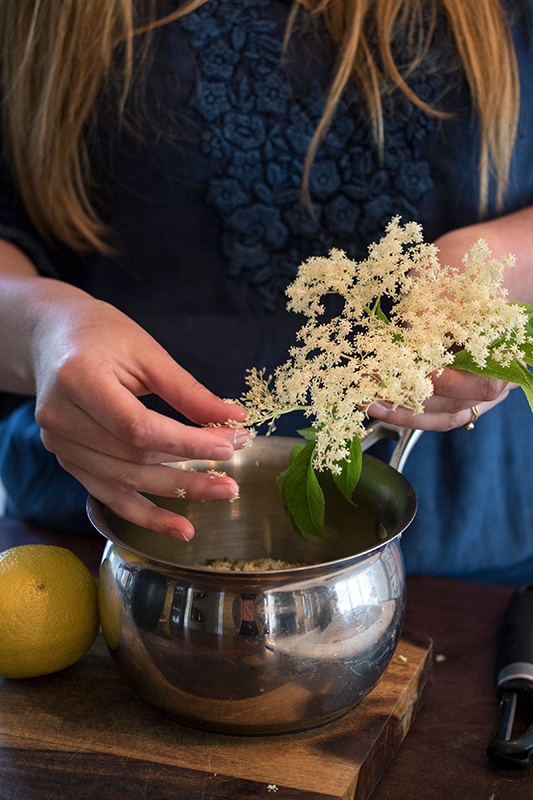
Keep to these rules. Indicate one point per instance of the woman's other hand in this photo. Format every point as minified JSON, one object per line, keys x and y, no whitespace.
{"x":456,"y":392}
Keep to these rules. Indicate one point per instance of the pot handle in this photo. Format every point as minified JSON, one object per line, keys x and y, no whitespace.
{"x":406,"y":438}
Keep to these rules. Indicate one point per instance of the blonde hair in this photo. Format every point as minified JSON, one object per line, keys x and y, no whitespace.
{"x":59,"y":56}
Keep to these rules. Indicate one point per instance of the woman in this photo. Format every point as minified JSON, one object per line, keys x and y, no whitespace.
{"x":162,"y":182}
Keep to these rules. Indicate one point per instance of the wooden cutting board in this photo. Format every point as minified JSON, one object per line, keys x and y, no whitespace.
{"x":87,"y":712}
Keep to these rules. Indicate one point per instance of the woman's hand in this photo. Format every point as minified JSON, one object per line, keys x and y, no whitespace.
{"x":88,"y":364}
{"x":91,"y":364}
{"x":455,"y":394}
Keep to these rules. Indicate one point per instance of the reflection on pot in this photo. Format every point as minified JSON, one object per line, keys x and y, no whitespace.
{"x":325,"y":640}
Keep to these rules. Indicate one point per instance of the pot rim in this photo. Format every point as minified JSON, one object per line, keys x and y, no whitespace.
{"x":98,"y":514}
{"x":96,"y":511}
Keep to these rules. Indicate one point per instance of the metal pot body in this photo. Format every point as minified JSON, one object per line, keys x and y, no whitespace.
{"x":258,"y":652}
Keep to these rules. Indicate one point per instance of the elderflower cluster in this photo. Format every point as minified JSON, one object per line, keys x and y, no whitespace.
{"x":342,"y":364}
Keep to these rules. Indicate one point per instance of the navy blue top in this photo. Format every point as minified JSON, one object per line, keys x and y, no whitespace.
{"x":209,"y":228}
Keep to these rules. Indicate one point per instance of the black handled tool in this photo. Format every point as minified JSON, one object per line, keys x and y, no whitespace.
{"x":515,"y":684}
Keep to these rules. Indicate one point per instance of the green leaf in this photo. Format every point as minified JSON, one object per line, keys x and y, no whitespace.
{"x":296,"y":450}
{"x":309,"y":434}
{"x":301,"y":493}
{"x":378,"y":311}
{"x":515,"y":372}
{"x":351,"y":470}
{"x":527,"y":348}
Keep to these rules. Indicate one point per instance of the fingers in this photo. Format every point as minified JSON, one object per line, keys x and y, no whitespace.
{"x":133,"y":507}
{"x":116,"y":472}
{"x":158,"y":479}
{"x":436,"y":420}
{"x":466,"y":387}
{"x":451,"y":404}
{"x":184,"y":393}
{"x":124,"y":428}
{"x":118,"y":485}
{"x":118,"y":463}
{"x":167,"y":379}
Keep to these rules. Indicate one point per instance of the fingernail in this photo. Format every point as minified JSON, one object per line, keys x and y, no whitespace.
{"x":378,"y":410}
{"x":223,"y":490}
{"x":221,"y":452}
{"x":181,"y":535}
{"x":184,"y":533}
{"x":241,"y":437}
{"x":240,"y":411}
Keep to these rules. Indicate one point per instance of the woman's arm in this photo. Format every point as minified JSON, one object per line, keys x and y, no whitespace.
{"x":87,"y":364}
{"x":511,"y":234}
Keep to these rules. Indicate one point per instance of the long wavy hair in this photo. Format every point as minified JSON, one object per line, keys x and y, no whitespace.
{"x":59,"y":56}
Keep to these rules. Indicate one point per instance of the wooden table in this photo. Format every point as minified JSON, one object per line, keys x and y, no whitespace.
{"x":442,"y":758}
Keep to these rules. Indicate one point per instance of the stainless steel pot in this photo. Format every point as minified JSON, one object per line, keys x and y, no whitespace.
{"x":259,"y":652}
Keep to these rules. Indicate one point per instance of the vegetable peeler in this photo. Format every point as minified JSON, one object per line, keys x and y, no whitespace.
{"x":512,"y":742}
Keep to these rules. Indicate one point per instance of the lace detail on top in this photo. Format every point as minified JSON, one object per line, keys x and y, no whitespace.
{"x":258,"y":117}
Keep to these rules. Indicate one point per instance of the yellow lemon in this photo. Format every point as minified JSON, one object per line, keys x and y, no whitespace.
{"x":48,"y":610}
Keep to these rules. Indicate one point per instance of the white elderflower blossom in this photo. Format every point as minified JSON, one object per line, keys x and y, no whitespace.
{"x":341,"y":364}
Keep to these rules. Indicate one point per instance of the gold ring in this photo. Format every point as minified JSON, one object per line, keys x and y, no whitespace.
{"x":475,"y":414}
